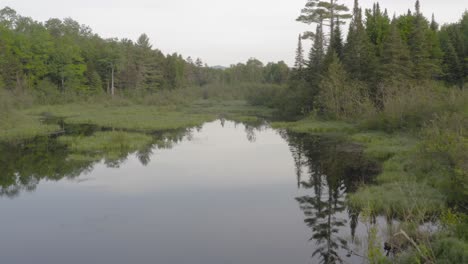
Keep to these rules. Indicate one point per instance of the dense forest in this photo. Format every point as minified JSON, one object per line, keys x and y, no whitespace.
{"x":344,"y":76}
{"x":64,"y":56}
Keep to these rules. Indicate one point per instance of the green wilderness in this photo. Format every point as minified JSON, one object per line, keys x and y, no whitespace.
{"x":130,"y":155}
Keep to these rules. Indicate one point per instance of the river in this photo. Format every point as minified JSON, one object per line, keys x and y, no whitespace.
{"x":221,"y":193}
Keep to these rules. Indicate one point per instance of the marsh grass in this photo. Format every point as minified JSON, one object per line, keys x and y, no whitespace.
{"x":382,"y":146}
{"x":312,"y":125}
{"x":237,"y":110}
{"x":18,"y":126}
{"x":404,"y":200}
{"x":131,"y":117}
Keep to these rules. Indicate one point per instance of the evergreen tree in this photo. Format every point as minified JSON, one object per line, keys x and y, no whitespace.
{"x":317,"y":52}
{"x":377,"y":27}
{"x":359,"y":58}
{"x":452,"y":66}
{"x":423,"y":66}
{"x":324,"y":12}
{"x":452,"y":63}
{"x":339,"y":95}
{"x":149,"y":65}
{"x":299,"y":62}
{"x":395,"y":60}
{"x":434,"y":24}
{"x":337,"y":43}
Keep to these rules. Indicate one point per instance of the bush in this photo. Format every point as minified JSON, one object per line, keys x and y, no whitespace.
{"x":450,"y":250}
{"x":341,"y":97}
{"x":409,"y":107}
{"x":444,"y":155}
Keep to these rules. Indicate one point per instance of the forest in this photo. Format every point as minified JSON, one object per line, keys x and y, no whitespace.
{"x":394,"y":83}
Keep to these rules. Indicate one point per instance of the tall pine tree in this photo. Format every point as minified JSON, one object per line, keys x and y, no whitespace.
{"x":423,"y":66}
{"x":299,"y":62}
{"x":395,"y":60}
{"x":359,"y":56}
{"x":326,"y":12}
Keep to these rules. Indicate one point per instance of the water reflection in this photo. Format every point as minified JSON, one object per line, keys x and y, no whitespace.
{"x":327,"y":169}
{"x":238,"y":184}
{"x":23,"y":166}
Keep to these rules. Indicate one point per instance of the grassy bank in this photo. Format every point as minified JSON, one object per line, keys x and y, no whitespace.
{"x":164,"y":110}
{"x":422,"y":144}
{"x":16,"y":126}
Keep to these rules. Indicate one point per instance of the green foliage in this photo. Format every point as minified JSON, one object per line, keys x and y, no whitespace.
{"x":317,"y":11}
{"x":425,"y":66}
{"x":444,"y":153}
{"x":374,"y":252}
{"x":74,"y":60}
{"x":395,"y":61}
{"x":451,"y":250}
{"x":408,"y":107}
{"x":340,"y":96}
{"x":377,"y":27}
{"x":359,"y":52}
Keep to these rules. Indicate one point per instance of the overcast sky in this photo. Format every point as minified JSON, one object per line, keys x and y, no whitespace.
{"x":221,"y":32}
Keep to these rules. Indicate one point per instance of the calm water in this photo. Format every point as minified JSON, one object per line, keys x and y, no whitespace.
{"x":222,"y":193}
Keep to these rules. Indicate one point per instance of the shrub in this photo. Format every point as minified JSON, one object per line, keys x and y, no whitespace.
{"x":444,"y":155}
{"x":341,"y":97}
{"x":410,"y":106}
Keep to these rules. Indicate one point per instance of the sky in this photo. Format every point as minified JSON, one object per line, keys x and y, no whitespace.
{"x":220,"y":32}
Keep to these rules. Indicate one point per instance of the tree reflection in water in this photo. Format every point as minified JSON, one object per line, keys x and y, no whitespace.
{"x":327,"y":169}
{"x":24,"y":165}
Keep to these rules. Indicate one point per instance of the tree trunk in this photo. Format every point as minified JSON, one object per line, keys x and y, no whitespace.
{"x":332,"y":20}
{"x":112,"y":82}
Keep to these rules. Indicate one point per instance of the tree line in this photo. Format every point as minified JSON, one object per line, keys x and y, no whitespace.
{"x":380,"y":52}
{"x":65,"y":56}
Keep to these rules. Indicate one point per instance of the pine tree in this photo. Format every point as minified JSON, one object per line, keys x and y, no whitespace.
{"x":434,"y":24}
{"x":424,"y":67}
{"x":453,"y":67}
{"x":395,"y":60}
{"x":377,"y":26}
{"x":337,"y":43}
{"x":317,"y":53}
{"x":341,"y":96}
{"x":149,"y":65}
{"x":325,"y":12}
{"x":359,"y":53}
{"x":299,"y":63}
{"x":452,"y":63}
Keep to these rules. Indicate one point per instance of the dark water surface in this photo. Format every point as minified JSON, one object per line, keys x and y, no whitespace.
{"x":223,"y":193}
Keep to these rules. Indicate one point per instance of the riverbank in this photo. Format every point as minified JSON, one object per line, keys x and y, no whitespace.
{"x":423,"y":179}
